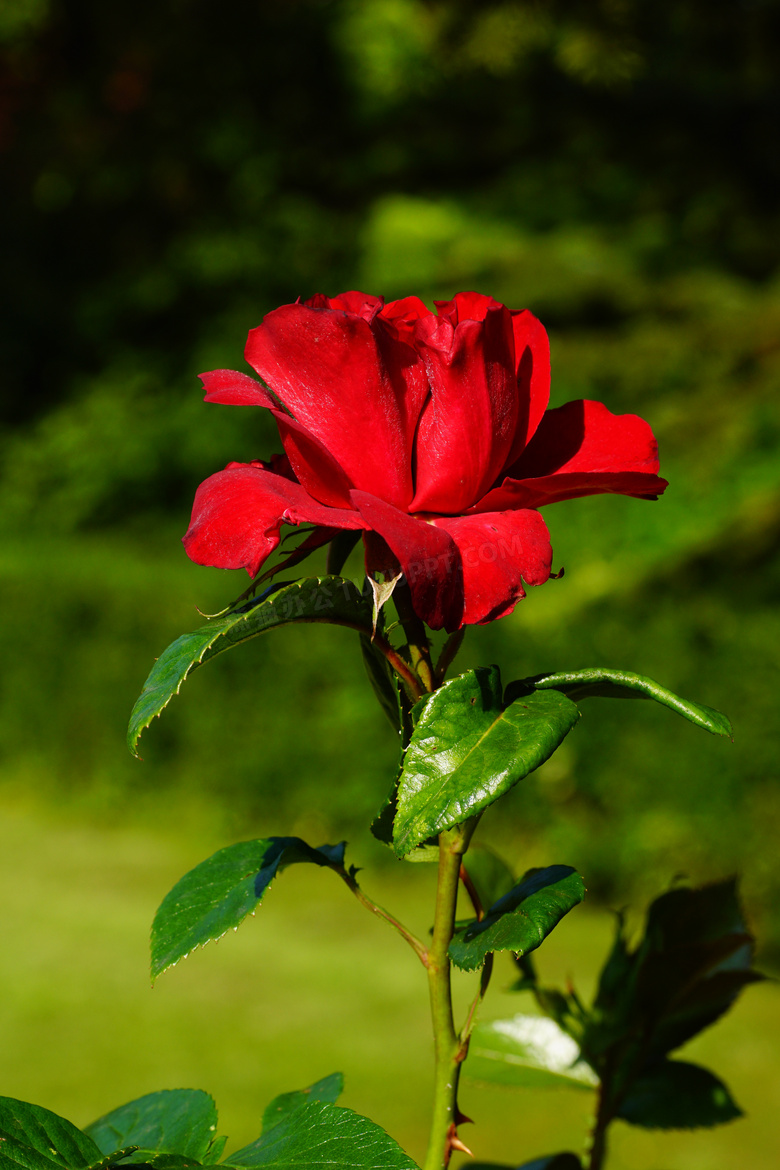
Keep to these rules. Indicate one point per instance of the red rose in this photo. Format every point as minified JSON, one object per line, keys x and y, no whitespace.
{"x":429,"y":431}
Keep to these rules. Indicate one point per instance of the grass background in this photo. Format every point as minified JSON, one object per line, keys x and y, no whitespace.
{"x":309,"y":985}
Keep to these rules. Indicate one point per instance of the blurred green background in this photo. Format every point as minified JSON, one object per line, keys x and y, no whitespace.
{"x":173,"y":171}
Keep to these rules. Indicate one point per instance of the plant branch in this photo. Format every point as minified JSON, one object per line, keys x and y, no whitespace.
{"x":597,"y":1151}
{"x":418,"y":947}
{"x":447,"y":1045}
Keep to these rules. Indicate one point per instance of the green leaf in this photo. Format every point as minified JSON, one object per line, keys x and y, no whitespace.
{"x":173,"y":1121}
{"x":527,"y":1052}
{"x":314,"y":599}
{"x":219,"y":893}
{"x":322,"y":1136}
{"x":565,"y":1161}
{"x":15,"y":1155}
{"x":328,"y":1089}
{"x":622,"y":684}
{"x":522,"y":919}
{"x":467,"y":750}
{"x":550,"y":1162}
{"x":34,"y":1137}
{"x":676,"y":1095}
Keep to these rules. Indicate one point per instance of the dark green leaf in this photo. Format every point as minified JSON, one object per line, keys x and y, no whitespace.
{"x":614,"y":979}
{"x":328,"y":1089}
{"x":527,"y":1052}
{"x":321,"y":1136}
{"x":25,"y":1127}
{"x":173,"y":1121}
{"x":704,"y":1003}
{"x":467,"y":750}
{"x":222,"y":891}
{"x":550,"y":1162}
{"x":684,"y":915}
{"x":553,"y":1162}
{"x":693,"y":962}
{"x":687,"y":970}
{"x":490,"y":877}
{"x":622,"y":684}
{"x":520,"y":920}
{"x":314,"y":599}
{"x":675,"y":1095}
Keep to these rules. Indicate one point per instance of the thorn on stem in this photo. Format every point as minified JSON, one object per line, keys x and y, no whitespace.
{"x":454,"y":1143}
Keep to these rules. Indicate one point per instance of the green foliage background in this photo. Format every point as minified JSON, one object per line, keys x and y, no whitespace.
{"x":173,"y":171}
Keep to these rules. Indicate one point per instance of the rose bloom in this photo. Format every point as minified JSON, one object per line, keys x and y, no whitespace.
{"x":427,"y":432}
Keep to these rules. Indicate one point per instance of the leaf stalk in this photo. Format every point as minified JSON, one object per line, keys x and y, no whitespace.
{"x":417,"y":946}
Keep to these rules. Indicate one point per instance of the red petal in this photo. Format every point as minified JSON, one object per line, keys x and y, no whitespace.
{"x":234,"y":389}
{"x":401,"y":315}
{"x":313,"y":464}
{"x":581,"y":449}
{"x":362,"y":304}
{"x":326,"y":367}
{"x":467,"y":306}
{"x":238,"y":512}
{"x":498,"y":551}
{"x":428,"y":557}
{"x":532,"y":362}
{"x":467,"y":426}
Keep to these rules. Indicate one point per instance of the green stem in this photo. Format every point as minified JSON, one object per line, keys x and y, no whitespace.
{"x":447,"y":1045}
{"x":597,"y":1151}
